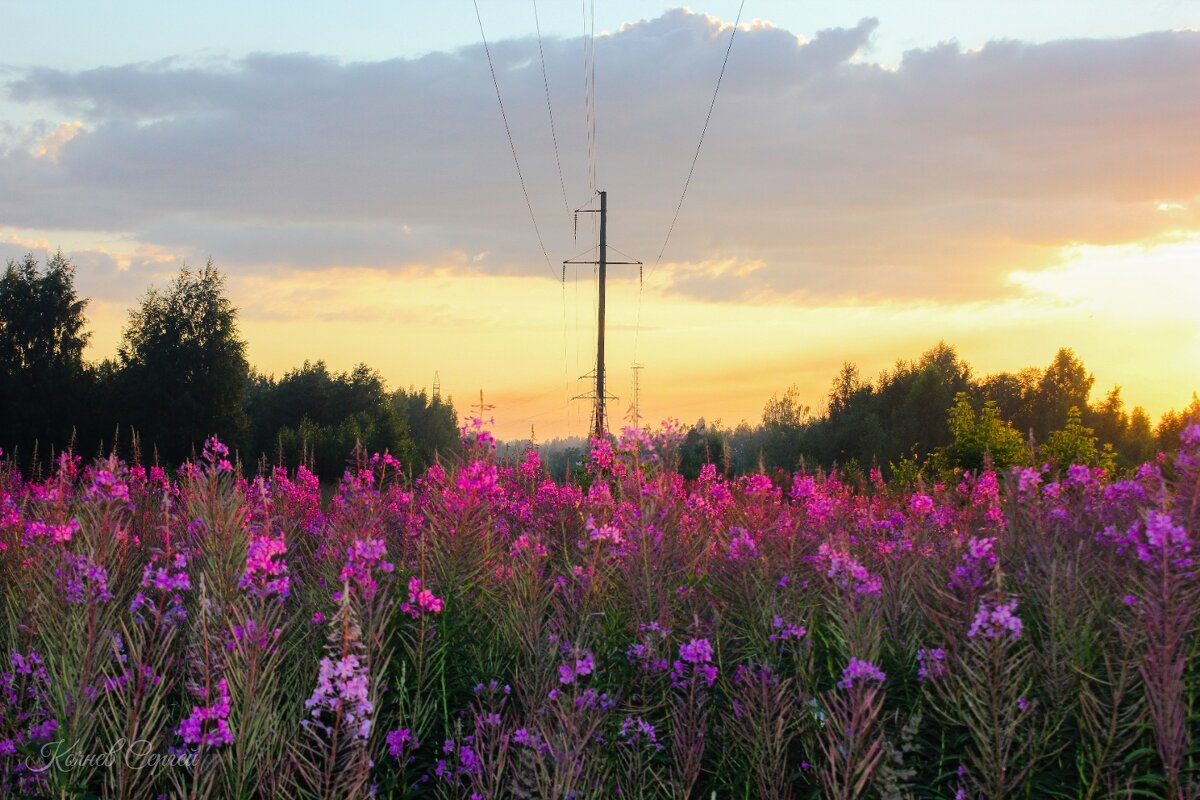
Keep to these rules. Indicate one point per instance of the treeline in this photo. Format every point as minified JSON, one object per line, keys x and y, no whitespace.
{"x":934,"y":415}
{"x":181,"y":375}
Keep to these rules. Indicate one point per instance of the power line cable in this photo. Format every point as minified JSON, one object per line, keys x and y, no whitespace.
{"x":695,"y":157}
{"x":512,"y":145}
{"x":550,"y":111}
{"x":593,"y":93}
{"x":700,"y":144}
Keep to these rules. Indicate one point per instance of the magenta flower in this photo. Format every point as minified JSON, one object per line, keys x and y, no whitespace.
{"x":401,"y":742}
{"x":266,"y":571}
{"x":861,"y":671}
{"x":196,"y":732}
{"x":420,"y":600}
{"x":920,"y":504}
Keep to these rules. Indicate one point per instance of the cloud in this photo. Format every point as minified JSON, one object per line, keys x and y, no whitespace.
{"x":834,"y":176}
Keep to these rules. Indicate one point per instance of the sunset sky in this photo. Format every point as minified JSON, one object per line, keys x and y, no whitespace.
{"x":1008,"y":177}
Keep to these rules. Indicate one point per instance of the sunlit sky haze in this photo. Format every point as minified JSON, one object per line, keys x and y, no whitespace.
{"x":1007,"y":177}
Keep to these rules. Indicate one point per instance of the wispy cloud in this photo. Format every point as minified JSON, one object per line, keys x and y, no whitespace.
{"x":835,"y":177}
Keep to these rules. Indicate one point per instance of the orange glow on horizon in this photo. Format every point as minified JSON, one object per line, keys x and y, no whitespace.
{"x":1126,"y":310}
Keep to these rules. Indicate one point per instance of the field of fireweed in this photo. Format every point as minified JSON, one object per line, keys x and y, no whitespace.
{"x":481,"y":631}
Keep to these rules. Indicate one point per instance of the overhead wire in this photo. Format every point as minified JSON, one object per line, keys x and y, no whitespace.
{"x":703,"y":131}
{"x":688,"y":181}
{"x":511,"y":144}
{"x":550,"y":111}
{"x":588,"y":40}
{"x":593,"y":95}
{"x":563,"y":187}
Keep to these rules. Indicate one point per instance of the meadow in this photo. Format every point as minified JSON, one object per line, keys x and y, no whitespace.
{"x":481,"y":631}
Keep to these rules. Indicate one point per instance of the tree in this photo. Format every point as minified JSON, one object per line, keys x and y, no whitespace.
{"x":183,"y":368}
{"x":1172,"y":424}
{"x":43,"y":377}
{"x":1014,"y":394}
{"x":783,"y":422}
{"x":1064,"y":384}
{"x":1076,"y":444}
{"x":432,"y":423}
{"x":702,"y":445}
{"x":913,"y":400}
{"x":977,"y":439}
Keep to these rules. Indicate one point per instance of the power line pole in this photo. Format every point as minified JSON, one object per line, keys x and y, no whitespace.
{"x":482,"y":407}
{"x":600,"y":396}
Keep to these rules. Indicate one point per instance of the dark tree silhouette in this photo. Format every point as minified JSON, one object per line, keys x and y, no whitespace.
{"x":183,"y":369}
{"x":43,"y":377}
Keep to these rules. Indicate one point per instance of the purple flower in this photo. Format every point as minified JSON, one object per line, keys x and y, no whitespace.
{"x":526,"y":738}
{"x":848,"y":573}
{"x":921,"y":504}
{"x":742,"y":545}
{"x":994,"y":620}
{"x":81,"y":580}
{"x":695,"y":658}
{"x":977,"y":566}
{"x":696,"y":651}
{"x":861,"y":671}
{"x":364,"y":559}
{"x":931,"y":664}
{"x":401,"y":742}
{"x":195,"y":732}
{"x":1162,"y":535}
{"x":266,"y":571}
{"x":344,"y":686}
{"x":635,"y":730}
{"x":783,"y":631}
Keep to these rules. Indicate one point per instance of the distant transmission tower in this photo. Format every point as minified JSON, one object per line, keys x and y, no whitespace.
{"x":635,"y":410}
{"x":437,"y":386}
{"x":599,"y":396}
{"x":482,"y":407}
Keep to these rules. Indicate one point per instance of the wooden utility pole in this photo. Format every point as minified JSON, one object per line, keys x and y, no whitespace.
{"x":600,"y":396}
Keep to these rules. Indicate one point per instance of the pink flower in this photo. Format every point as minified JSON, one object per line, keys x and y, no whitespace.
{"x":421,"y":600}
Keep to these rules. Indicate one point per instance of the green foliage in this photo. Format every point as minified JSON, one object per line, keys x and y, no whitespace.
{"x":702,"y":445}
{"x":1173,"y":423}
{"x":432,"y":424}
{"x":316,"y":417}
{"x":1077,"y":444}
{"x":978,"y":438}
{"x":902,"y":413}
{"x":183,"y":366}
{"x":326,"y":447}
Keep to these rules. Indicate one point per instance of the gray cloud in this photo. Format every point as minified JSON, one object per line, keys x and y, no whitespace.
{"x":841,"y":177}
